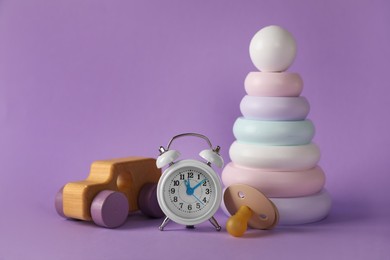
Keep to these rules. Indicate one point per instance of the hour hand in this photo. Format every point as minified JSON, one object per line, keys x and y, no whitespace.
{"x":189,"y":190}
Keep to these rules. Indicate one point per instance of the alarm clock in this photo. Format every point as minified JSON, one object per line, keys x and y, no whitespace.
{"x":189,"y":191}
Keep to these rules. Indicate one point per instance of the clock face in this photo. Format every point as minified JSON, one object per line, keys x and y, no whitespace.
{"x":189,"y":192}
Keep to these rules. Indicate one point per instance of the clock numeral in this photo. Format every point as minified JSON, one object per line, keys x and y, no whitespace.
{"x":204,"y":183}
{"x":204,"y":200}
{"x":189,"y":207}
{"x":173,"y":190}
{"x":181,"y":204}
{"x":176,"y":183}
{"x":198,"y":176}
{"x":175,"y":199}
{"x":190,"y":175}
{"x":198,"y":205}
{"x":181,"y":176}
{"x":207,"y":191}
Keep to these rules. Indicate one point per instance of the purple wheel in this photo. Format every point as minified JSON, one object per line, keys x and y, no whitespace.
{"x":147,"y":201}
{"x":58,"y":204}
{"x":109,"y":209}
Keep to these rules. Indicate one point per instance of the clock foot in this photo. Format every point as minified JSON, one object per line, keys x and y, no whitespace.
{"x":165,"y":222}
{"x":190,"y":227}
{"x":214,"y":222}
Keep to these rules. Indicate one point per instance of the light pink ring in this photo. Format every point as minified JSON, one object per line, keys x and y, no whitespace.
{"x":276,"y":184}
{"x":273,"y":84}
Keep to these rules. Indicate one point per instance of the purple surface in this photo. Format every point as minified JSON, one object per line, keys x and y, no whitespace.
{"x":88,"y":80}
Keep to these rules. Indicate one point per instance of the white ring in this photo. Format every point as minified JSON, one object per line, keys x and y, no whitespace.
{"x":274,"y":108}
{"x":302,"y":210}
{"x":275,"y":158}
{"x":273,"y":132}
{"x":276,"y":184}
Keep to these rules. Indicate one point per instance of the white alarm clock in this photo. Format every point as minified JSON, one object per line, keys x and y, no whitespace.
{"x":189,"y":191}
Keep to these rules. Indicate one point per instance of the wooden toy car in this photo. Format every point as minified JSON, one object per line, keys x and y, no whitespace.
{"x":112,"y":190}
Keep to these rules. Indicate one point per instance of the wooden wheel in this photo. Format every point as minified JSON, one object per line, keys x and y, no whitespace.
{"x":109,"y":209}
{"x":147,"y":201}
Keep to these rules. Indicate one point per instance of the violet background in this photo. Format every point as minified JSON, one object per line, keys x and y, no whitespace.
{"x":88,"y":80}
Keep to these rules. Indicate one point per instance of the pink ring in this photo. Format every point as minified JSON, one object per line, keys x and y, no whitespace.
{"x":276,"y":184}
{"x":299,"y":210}
{"x":273,"y":84}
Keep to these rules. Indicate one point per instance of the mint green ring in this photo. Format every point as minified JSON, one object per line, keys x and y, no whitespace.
{"x":273,"y":132}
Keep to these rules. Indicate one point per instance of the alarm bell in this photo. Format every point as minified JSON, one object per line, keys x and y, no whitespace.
{"x":212,"y":156}
{"x":166,"y":157}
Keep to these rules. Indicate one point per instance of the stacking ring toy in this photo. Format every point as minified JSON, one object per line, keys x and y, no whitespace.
{"x":274,"y":108}
{"x":273,"y":84}
{"x":302,"y":210}
{"x":276,"y":183}
{"x":275,"y":158}
{"x":273,"y":132}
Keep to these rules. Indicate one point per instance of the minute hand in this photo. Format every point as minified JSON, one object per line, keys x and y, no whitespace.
{"x":197,"y":185}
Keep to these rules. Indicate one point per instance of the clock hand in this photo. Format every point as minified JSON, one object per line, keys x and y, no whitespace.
{"x":198,"y":199}
{"x":197,"y":185}
{"x":189,"y":190}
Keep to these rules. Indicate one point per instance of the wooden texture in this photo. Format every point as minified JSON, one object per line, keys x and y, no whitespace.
{"x":126,"y":175}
